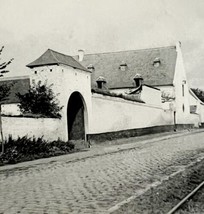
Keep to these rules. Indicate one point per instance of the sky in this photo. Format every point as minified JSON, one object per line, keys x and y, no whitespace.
{"x":29,"y":27}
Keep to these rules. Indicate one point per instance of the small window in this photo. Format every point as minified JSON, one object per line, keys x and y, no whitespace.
{"x":156,"y":62}
{"x":50,"y":70}
{"x":100,"y":82}
{"x":35,"y":72}
{"x":183,"y":108}
{"x":91,"y":68}
{"x":182,"y":90}
{"x":100,"y":85}
{"x":123,"y":66}
{"x":137,"y":82}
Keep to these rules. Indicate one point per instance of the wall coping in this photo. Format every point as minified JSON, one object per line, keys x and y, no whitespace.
{"x":119,"y":99}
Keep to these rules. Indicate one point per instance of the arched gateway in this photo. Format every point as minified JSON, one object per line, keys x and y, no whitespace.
{"x":76,"y":117}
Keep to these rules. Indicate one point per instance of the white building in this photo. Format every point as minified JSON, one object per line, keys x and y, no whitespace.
{"x":109,"y":95}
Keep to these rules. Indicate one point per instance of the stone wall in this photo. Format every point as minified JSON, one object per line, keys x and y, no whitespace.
{"x":49,"y":128}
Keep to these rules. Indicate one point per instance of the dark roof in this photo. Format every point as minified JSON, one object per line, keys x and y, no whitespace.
{"x":137,"y":61}
{"x":51,"y":57}
{"x":16,"y":85}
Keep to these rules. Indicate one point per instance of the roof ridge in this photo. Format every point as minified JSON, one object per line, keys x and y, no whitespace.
{"x":66,"y":56}
{"x":122,"y":51}
{"x":54,"y":55}
{"x":59,"y":52}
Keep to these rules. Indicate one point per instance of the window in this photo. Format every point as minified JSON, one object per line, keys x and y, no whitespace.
{"x":35,"y":72}
{"x":183,"y":108}
{"x":91,"y":68}
{"x":99,"y":85}
{"x":156,"y":62}
{"x":123,"y":66}
{"x":183,"y":90}
{"x":100,"y":82}
{"x":138,"y":80}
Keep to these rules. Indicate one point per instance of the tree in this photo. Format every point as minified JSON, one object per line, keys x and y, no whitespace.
{"x":4,"y":93}
{"x":40,"y":100}
{"x":199,"y":93}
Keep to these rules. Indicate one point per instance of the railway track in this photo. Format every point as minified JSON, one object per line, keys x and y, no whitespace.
{"x":185,"y":199}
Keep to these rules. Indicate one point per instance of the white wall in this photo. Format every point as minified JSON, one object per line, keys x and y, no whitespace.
{"x":182,"y":117}
{"x":202,"y":113}
{"x":51,"y":129}
{"x":148,"y":94}
{"x":115,"y":114}
{"x":151,"y":96}
{"x":200,"y":105}
{"x":67,"y":80}
{"x":10,"y":109}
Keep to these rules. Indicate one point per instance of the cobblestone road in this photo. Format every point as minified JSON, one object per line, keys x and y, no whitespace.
{"x":93,"y":185}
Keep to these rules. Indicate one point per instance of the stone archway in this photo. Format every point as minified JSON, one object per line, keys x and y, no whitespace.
{"x":75,"y":117}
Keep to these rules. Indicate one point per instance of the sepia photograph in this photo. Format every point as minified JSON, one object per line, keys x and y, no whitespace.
{"x":101,"y":106}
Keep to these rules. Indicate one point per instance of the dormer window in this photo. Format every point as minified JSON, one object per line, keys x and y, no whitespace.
{"x":91,"y":68}
{"x":156,"y":62}
{"x":138,"y":80}
{"x":100,"y":82}
{"x":123,"y":66}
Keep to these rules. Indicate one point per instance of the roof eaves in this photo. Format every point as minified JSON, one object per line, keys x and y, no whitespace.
{"x":75,"y":67}
{"x":32,"y":66}
{"x":153,"y":87}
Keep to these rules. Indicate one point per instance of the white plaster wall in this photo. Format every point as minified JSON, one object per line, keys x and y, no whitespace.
{"x":195,"y":119}
{"x":148,"y":95}
{"x":67,"y":80}
{"x":202,"y":113}
{"x":115,"y":114}
{"x":10,"y":109}
{"x":151,"y":96}
{"x":182,"y":117}
{"x":50,"y":129}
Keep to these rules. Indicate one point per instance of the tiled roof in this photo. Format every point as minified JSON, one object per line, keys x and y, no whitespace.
{"x":156,"y":65}
{"x":51,"y":57}
{"x":20,"y":85}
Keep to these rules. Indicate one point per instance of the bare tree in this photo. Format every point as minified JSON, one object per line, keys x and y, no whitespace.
{"x":4,"y":93}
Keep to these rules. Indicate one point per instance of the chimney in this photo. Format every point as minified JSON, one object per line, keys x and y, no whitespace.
{"x":80,"y":55}
{"x":178,"y":45}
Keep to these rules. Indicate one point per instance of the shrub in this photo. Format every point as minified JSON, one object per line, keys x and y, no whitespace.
{"x":40,"y":100}
{"x":25,"y":149}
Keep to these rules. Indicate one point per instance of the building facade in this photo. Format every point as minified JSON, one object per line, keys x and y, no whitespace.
{"x":110,"y":95}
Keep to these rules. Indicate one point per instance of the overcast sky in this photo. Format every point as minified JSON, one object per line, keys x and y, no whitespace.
{"x":29,"y":27}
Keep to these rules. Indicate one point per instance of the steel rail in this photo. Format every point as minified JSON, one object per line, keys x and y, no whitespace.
{"x":186,"y":198}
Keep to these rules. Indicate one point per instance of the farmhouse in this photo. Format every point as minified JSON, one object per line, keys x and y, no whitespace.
{"x":108,"y":95}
